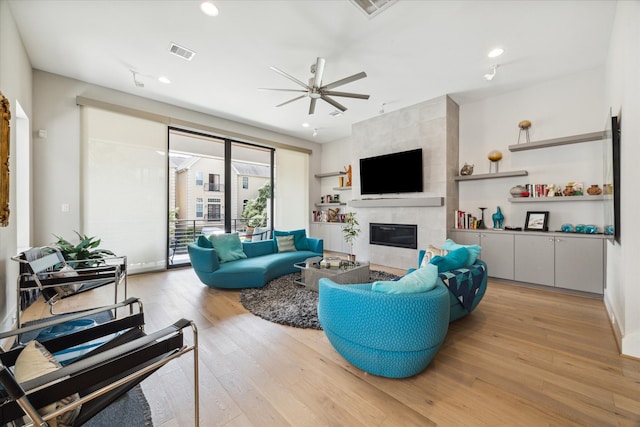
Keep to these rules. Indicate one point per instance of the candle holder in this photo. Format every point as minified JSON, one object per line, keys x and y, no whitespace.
{"x":481,"y":225}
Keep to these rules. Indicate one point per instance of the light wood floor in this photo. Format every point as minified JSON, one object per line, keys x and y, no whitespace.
{"x":524,"y":357}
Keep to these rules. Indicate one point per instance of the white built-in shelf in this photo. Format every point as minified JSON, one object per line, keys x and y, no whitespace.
{"x":390,"y":202}
{"x":573,"y":139}
{"x":342,"y":188}
{"x":490,"y":175}
{"x":320,"y":205}
{"x":328,"y":174}
{"x":559,"y":199}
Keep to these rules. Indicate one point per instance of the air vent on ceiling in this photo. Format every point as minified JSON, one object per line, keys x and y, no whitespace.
{"x":372,"y":8}
{"x":182,"y":52}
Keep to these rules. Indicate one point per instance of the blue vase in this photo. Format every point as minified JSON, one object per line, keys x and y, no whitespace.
{"x":566,"y":228}
{"x":590,"y":229}
{"x":580,"y":228}
{"x":609,"y":230}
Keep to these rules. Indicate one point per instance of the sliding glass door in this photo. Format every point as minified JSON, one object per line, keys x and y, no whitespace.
{"x":212,"y":181}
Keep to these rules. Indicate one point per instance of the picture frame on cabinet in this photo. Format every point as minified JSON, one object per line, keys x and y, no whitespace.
{"x":536,"y":221}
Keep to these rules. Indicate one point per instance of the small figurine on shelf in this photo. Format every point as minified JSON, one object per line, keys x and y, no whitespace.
{"x":524,"y":126}
{"x":347,"y":169}
{"x":498,"y":219}
{"x":333,"y":215}
{"x":494,"y":157}
{"x":467,"y":169}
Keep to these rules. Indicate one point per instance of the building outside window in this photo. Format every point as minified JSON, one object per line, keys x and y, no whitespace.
{"x":245,"y":182}
{"x":199,"y":178}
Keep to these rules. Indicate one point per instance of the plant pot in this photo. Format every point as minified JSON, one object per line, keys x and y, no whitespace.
{"x":351,"y":257}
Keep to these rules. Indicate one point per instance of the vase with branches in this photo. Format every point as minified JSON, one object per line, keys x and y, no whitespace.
{"x":350,"y":231}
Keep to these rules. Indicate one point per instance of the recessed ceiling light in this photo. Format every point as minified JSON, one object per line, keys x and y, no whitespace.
{"x":208,"y":8}
{"x":305,"y":125}
{"x":163,"y":79}
{"x":496,"y":52}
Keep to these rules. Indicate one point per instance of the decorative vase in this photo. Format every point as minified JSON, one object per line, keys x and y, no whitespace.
{"x":591,"y":229}
{"x":517,"y":191}
{"x":580,"y":228}
{"x":566,"y":228}
{"x":594,"y":190}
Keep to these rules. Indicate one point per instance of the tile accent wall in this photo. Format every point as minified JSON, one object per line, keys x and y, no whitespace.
{"x":433,"y":126}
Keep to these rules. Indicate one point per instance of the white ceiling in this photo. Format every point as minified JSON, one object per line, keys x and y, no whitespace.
{"x":412,"y":52}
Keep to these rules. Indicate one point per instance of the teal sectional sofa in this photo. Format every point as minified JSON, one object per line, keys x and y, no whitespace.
{"x":264,"y":261}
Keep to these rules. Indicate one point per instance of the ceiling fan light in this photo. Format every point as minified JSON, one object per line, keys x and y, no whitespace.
{"x":208,"y":8}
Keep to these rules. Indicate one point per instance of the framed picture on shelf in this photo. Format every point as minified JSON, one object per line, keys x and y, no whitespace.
{"x":536,"y":221}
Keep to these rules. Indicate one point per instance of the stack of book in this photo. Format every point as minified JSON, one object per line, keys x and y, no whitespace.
{"x":464,"y":220}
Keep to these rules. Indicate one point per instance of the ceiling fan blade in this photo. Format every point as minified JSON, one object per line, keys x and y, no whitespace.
{"x":317,"y":81}
{"x":344,"y":81}
{"x":283,"y":90}
{"x":291,"y":100}
{"x":346,"y":94}
{"x":312,"y":106}
{"x":334,"y":103}
{"x":290,"y":77}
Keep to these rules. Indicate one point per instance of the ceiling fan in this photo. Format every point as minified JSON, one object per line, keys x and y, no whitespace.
{"x":315,"y":90}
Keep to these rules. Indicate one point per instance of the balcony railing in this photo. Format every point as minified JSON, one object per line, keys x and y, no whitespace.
{"x":184,"y":231}
{"x":208,"y":186}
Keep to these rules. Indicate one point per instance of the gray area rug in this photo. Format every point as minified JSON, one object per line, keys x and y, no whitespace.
{"x":287,"y":303}
{"x":131,"y":409}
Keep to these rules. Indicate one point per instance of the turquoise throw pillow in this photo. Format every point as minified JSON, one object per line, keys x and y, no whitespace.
{"x":421,"y":280}
{"x":228,"y":246}
{"x":474,"y":250}
{"x":285,"y":244}
{"x":299,"y":238}
{"x":452,"y":261}
{"x":203,"y":242}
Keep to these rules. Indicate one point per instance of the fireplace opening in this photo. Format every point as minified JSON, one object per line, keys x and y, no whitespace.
{"x":396,"y":235}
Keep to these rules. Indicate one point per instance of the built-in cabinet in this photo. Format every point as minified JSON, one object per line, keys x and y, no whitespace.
{"x":579,"y":262}
{"x":331,"y":233}
{"x":497,"y":249}
{"x":561,"y":260}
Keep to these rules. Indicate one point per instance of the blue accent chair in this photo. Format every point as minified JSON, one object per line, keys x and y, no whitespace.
{"x":465,"y":280}
{"x":389,"y":335}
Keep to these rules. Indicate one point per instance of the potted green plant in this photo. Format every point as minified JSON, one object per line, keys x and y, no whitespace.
{"x":85,"y":254}
{"x":350,"y":231}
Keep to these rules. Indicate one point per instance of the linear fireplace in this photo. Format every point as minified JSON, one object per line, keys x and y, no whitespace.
{"x":396,"y":235}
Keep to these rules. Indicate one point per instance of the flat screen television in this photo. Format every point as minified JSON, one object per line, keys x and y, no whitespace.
{"x":392,"y":173}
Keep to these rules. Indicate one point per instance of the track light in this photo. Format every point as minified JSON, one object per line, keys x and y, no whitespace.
{"x":490,"y":76}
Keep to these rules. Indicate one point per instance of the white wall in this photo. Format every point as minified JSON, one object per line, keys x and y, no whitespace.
{"x":57,"y":158}
{"x":15,"y":84}
{"x":569,"y":106}
{"x":622,"y":294}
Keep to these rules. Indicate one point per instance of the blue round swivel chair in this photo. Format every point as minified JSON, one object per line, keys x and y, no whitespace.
{"x":390,"y":335}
